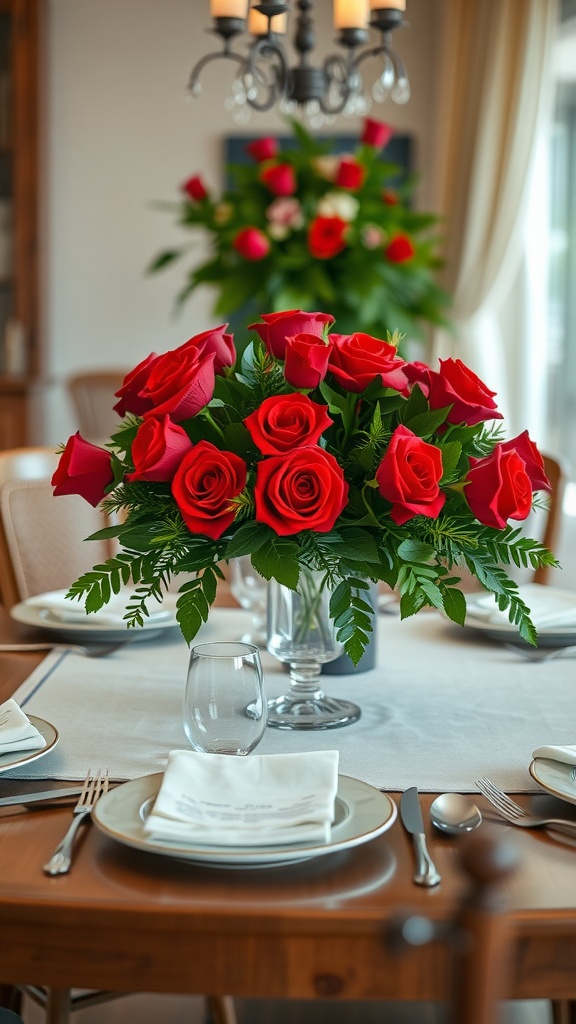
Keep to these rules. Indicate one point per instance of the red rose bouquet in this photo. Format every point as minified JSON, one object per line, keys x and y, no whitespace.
{"x":321,"y":451}
{"x":305,"y":227}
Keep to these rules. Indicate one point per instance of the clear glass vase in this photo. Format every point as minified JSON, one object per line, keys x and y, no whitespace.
{"x":301,"y":634}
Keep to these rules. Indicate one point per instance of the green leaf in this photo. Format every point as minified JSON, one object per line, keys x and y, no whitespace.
{"x":277,"y":559}
{"x":415,"y":551}
{"x":455,"y":605}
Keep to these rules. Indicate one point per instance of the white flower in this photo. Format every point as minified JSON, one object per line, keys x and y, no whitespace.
{"x":338,"y":204}
{"x":326,"y":166}
{"x":285,"y":213}
{"x":372,"y":236}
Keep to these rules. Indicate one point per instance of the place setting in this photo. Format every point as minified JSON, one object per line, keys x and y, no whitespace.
{"x":552,"y":611}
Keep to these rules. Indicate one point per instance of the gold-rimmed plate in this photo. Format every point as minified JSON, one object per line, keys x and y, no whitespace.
{"x":15,"y":759}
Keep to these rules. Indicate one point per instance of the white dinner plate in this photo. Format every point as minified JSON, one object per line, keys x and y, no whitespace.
{"x":361,"y":813}
{"x":17,"y":758}
{"x":482,"y":616}
{"x":556,"y":777}
{"x":88,"y":628}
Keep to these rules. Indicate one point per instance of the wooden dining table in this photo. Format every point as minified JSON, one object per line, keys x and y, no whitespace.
{"x":127,"y":920}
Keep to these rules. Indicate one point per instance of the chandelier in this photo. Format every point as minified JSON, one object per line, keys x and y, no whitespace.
{"x":265,"y":78}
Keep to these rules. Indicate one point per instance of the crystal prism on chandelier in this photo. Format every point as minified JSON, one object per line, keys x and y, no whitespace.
{"x":265,"y":78}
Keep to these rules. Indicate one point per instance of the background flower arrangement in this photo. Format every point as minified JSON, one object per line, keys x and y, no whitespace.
{"x":306,"y":228}
{"x":321,"y":451}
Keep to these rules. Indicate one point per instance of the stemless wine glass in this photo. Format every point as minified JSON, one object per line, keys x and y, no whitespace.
{"x":250,"y":589}
{"x":224,"y":707}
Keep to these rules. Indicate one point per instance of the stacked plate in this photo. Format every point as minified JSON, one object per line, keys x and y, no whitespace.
{"x":553,"y":613}
{"x":53,"y":613}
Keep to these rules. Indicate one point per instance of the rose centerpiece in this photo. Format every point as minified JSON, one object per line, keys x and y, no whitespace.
{"x":305,"y":226}
{"x":320,"y":453}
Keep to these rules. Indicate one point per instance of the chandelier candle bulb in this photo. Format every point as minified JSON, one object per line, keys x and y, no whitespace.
{"x":350,"y":14}
{"x":380,"y":5}
{"x":258,"y":23}
{"x":229,"y":9}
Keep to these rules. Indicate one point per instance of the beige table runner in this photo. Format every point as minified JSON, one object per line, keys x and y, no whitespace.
{"x":440,"y":709}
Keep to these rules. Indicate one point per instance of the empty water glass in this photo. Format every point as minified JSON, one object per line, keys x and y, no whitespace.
{"x":224,"y":707}
{"x":250,"y":590}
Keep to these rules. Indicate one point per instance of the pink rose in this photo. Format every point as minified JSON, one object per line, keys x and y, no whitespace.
{"x":130,"y":399}
{"x":358,"y":359}
{"x":205,"y":484}
{"x":263,"y":149}
{"x":306,"y":360}
{"x":301,"y":490}
{"x":498,"y":488}
{"x":409,"y":476}
{"x":216,"y":341}
{"x":83,"y":469}
{"x":350,"y":174}
{"x":252,"y":244}
{"x":279,"y":179}
{"x":278,"y":327}
{"x":400,"y":249}
{"x":195,"y":189}
{"x":158,"y":449}
{"x":180,"y":383}
{"x":376,"y":133}
{"x":458,"y":386}
{"x":285,"y":422}
{"x":533,"y":460}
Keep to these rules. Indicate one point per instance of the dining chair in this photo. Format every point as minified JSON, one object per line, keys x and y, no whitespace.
{"x":557,"y":473}
{"x":42,"y":548}
{"x":42,"y":541}
{"x":92,"y":395}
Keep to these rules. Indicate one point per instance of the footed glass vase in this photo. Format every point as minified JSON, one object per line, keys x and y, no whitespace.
{"x":301,"y":634}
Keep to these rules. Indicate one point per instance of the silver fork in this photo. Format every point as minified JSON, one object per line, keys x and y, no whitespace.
{"x":517,"y":815}
{"x":95,"y":785}
{"x":87,"y":650}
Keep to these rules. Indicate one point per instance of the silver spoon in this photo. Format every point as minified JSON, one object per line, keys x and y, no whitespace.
{"x":454,"y":813}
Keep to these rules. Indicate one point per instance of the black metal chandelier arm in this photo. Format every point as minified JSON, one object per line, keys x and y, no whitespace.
{"x":198,"y":68}
{"x":267,"y":66}
{"x":339,"y":72}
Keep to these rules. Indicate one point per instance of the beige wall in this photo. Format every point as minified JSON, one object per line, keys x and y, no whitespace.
{"x":120,"y":134}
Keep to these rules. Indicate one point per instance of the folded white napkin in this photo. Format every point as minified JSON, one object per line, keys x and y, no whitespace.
{"x":567,"y":754}
{"x":16,"y":730}
{"x":59,"y":609}
{"x":549,"y":608}
{"x":221,"y":800}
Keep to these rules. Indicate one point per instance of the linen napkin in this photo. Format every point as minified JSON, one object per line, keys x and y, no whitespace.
{"x":59,"y":609}
{"x":549,"y":608}
{"x":268,"y":799}
{"x":565,"y":754}
{"x":16,"y":730}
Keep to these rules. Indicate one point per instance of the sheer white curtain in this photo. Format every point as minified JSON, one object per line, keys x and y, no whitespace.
{"x":494,"y":67}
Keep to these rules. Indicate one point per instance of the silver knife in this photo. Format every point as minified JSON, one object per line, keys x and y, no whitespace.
{"x":39,"y":796}
{"x":411,"y":814}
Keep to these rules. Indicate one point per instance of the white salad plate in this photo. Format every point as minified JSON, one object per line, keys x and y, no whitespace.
{"x":361,"y":813}
{"x":51,"y":613}
{"x":555,"y":776}
{"x":553,"y":614}
{"x":16,"y":758}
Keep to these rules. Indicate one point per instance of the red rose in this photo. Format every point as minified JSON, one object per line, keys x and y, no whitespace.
{"x":358,"y":359}
{"x":195,"y":189}
{"x":252,"y":244}
{"x":279,"y":179}
{"x":205,"y":484}
{"x":400,"y":249}
{"x":390,"y":197}
{"x":458,"y":386}
{"x":263,"y":149}
{"x":83,"y":469}
{"x":130,"y":399}
{"x":409,"y":476}
{"x":278,"y":327}
{"x":498,"y":488}
{"x":350,"y":174}
{"x":158,"y":449}
{"x":216,"y":341}
{"x":376,"y":133}
{"x":306,"y":360}
{"x":419,"y":373}
{"x":284,"y":422}
{"x":326,"y":237}
{"x":180,"y":383}
{"x":533,"y":461}
{"x":302,"y":490}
